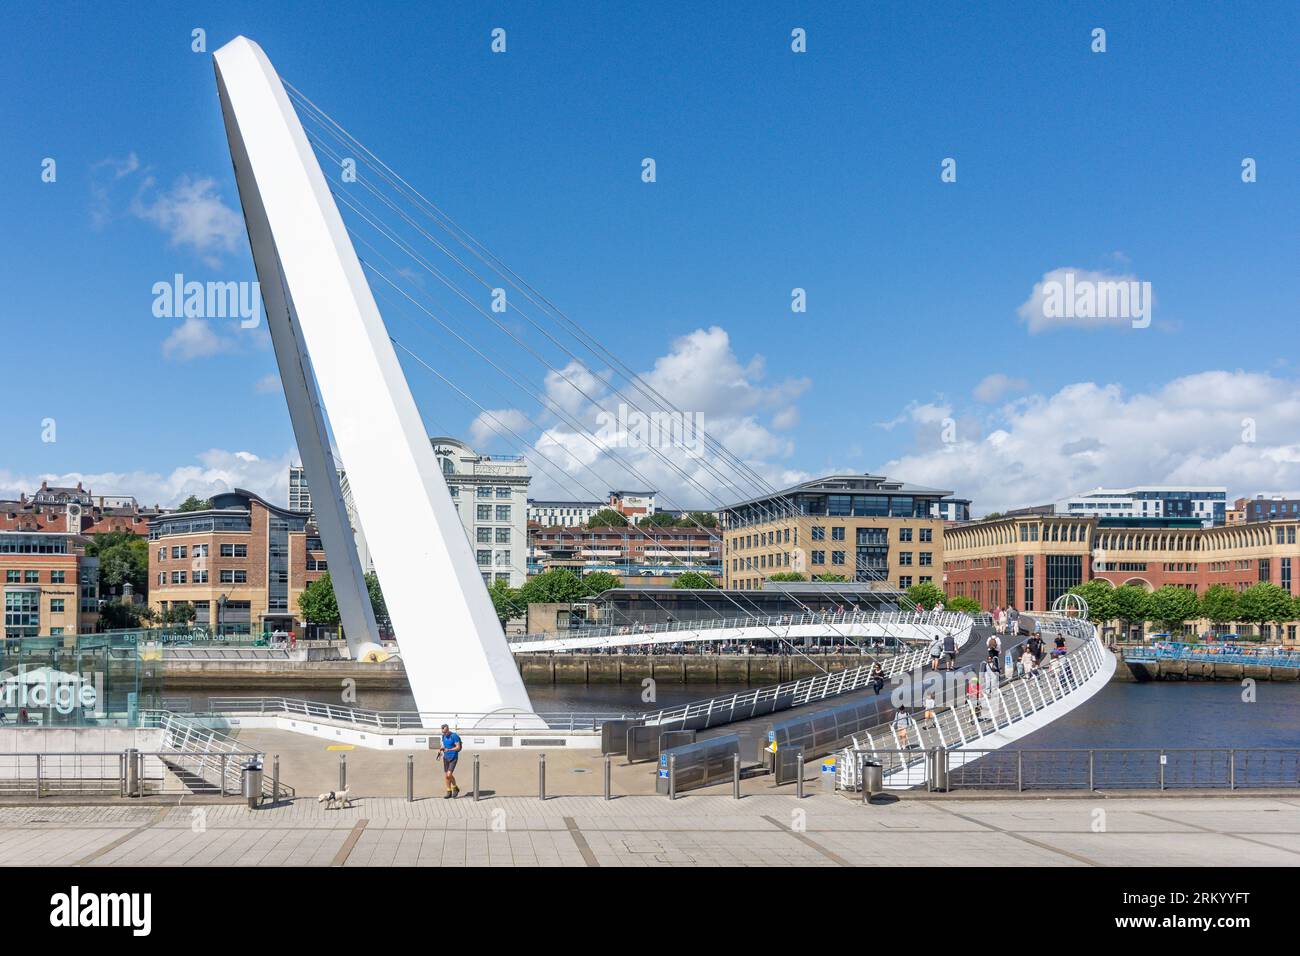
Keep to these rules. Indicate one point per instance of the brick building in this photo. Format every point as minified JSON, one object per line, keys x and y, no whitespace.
{"x":1030,"y":560}
{"x":644,"y":551}
{"x":241,"y":564}
{"x":75,"y":509}
{"x":50,"y":586}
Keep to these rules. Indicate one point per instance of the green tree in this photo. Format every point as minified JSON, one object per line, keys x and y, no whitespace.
{"x":195,"y":504}
{"x":1172,"y":607}
{"x":1265,"y":603}
{"x":831,"y":578}
{"x":787,"y":576}
{"x":506,"y":601}
{"x":925,"y":594}
{"x":1132,"y":606}
{"x":317,"y":603}
{"x":702,"y":519}
{"x":695,"y":581}
{"x":607,"y":518}
{"x":556,"y":586}
{"x":967,"y":605}
{"x":114,"y":615}
{"x":182,"y":612}
{"x":1219,"y":604}
{"x":377,"y":602}
{"x":1100,"y":595}
{"x":660,"y":519}
{"x":598,"y":582}
{"x":123,"y":557}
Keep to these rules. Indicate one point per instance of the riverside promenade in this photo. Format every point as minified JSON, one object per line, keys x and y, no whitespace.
{"x":824,"y":830}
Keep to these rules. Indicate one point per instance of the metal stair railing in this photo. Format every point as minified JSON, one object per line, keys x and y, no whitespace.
{"x":208,"y":754}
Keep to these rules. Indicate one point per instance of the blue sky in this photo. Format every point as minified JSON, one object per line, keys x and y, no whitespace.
{"x":775,"y":170}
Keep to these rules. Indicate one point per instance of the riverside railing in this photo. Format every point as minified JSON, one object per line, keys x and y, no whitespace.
{"x":947,"y":620}
{"x":408,"y":720}
{"x":1212,"y":653}
{"x":1022,"y":769}
{"x":206,"y":756}
{"x":901,"y":750}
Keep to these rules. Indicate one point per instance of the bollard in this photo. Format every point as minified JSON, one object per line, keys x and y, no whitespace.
{"x":608,"y":760}
{"x":410,"y":778}
{"x":343,"y":772}
{"x":735,"y":776}
{"x":541,"y":776}
{"x":1232,"y":769}
{"x":476,"y":778}
{"x":1162,"y":770}
{"x":798,"y":781}
{"x":38,"y":776}
{"x":672,"y":776}
{"x":1091,"y":768}
{"x":223,"y":775}
{"x":275,"y":780}
{"x":132,"y":772}
{"x":862,"y":777}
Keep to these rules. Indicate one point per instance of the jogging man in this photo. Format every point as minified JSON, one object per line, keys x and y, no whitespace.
{"x":450,"y":751}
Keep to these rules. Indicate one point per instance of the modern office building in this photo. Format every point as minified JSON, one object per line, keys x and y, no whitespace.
{"x":632,"y":505}
{"x":51,"y":588}
{"x":952,"y":509}
{"x":1028,"y":561}
{"x":299,"y":493}
{"x":1156,"y":505}
{"x":241,"y":564}
{"x":491,"y":497}
{"x":1269,"y":508}
{"x":566,"y":514}
{"x":865,"y":528}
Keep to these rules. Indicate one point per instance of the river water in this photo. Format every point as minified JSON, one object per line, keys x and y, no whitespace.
{"x":1170,"y":714}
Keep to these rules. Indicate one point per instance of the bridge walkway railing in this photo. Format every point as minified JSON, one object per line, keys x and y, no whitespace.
{"x":963,"y":722}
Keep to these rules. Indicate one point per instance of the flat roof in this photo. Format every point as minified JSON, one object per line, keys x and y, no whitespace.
{"x":839,"y":485}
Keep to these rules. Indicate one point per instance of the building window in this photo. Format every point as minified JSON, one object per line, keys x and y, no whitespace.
{"x":905,"y":582}
{"x":234,"y":550}
{"x":819,"y":557}
{"x":1029,"y":583}
{"x":837,"y":557}
{"x":905,"y":558}
{"x":1064,"y":571}
{"x":837,"y":534}
{"x":484,"y":558}
{"x":162,"y":554}
{"x":58,"y":577}
{"x":503,"y":512}
{"x":200,"y":577}
{"x":483,"y":535}
{"x":927,"y":534}
{"x":31,"y":577}
{"x":818,"y":533}
{"x":503,"y":535}
{"x":927,"y":559}
{"x":503,"y":558}
{"x":484,"y":491}
{"x":56,"y":605}
{"x":503,"y":492}
{"x":13,"y":577}
{"x":483,"y":512}
{"x":904,"y":534}
{"x":178,"y":577}
{"x":199,"y":551}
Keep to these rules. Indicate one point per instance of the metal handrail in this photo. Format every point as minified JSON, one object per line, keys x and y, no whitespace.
{"x":1215,"y":653}
{"x":1011,"y":701}
{"x":951,"y":620}
{"x":407,"y":720}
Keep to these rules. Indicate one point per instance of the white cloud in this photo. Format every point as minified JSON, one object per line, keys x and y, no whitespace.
{"x":992,"y":387}
{"x":215,"y":470}
{"x":193,"y":214}
{"x":701,"y":377}
{"x":267,"y":384}
{"x":1035,"y":311}
{"x":1191,"y":430}
{"x":497,"y":426}
{"x":194,"y":338}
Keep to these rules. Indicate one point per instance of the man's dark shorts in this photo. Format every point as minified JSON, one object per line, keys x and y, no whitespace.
{"x":449,"y":764}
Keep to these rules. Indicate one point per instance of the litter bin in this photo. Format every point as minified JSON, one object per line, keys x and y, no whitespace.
{"x":873,"y":778}
{"x":251,"y":777}
{"x":937,"y":769}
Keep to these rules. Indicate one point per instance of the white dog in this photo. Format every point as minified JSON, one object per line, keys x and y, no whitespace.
{"x":335,"y":798}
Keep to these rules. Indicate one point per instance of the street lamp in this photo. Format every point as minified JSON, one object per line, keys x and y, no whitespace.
{"x":221,"y":615}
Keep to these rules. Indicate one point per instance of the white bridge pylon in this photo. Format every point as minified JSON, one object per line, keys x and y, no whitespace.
{"x":335,"y":355}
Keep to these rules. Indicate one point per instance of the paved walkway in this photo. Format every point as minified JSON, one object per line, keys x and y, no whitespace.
{"x":696,"y":830}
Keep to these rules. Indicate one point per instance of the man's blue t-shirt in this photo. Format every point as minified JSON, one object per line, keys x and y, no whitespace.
{"x":449,"y":741}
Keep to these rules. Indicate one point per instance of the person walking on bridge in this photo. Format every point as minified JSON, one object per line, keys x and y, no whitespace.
{"x":950,"y":651}
{"x":936,"y":653}
{"x":450,"y":753}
